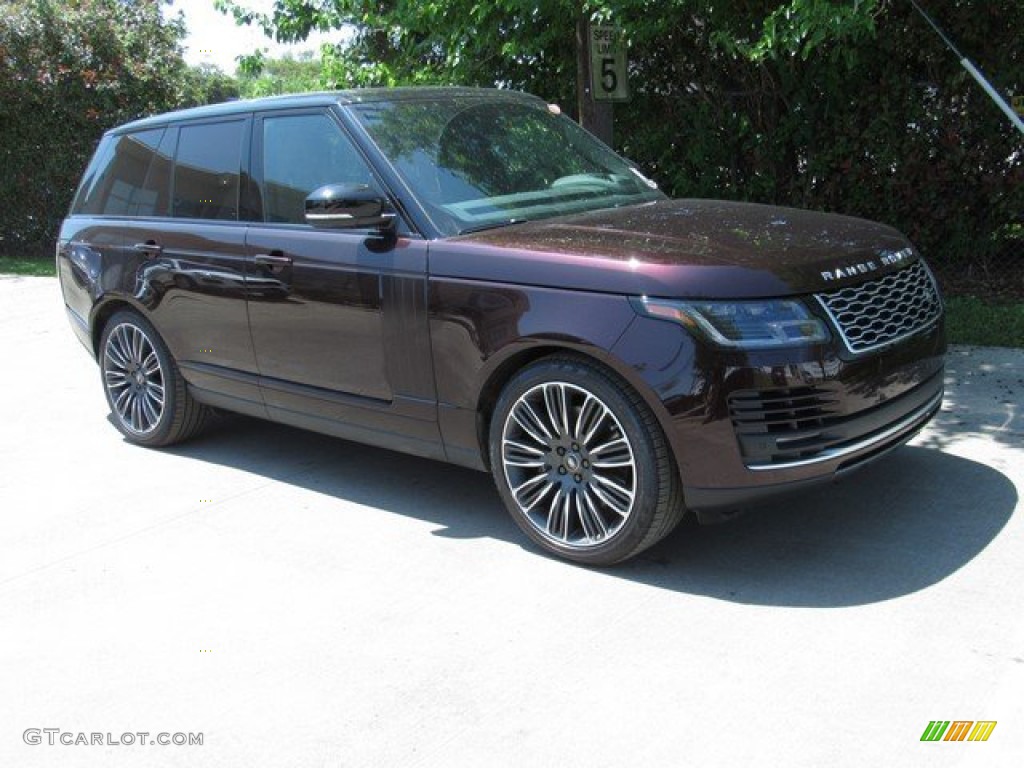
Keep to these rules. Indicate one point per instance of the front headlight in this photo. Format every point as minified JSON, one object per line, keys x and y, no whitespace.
{"x":743,"y":324}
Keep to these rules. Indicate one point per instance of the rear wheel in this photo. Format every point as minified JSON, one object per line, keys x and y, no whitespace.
{"x":146,"y":393}
{"x":582,"y":464}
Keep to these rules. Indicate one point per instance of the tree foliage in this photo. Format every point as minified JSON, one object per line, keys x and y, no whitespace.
{"x":413,"y":42}
{"x":260,"y":76}
{"x":69,"y":70}
{"x":532,"y":43}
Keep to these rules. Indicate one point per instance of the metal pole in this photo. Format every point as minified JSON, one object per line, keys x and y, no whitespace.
{"x":595,"y":116}
{"x":1014,"y":117}
{"x":973,"y":71}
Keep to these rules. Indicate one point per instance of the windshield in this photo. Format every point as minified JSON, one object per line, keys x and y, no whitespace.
{"x":479,"y":162}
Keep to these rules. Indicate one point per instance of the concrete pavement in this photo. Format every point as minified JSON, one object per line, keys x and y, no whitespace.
{"x":303,"y":601}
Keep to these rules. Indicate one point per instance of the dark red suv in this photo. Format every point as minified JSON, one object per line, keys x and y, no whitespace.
{"x":467,"y":275}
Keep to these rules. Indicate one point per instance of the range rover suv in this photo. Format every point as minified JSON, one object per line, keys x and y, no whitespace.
{"x":467,"y":275}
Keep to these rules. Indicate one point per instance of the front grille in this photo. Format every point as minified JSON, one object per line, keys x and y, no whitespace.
{"x":880,"y":312}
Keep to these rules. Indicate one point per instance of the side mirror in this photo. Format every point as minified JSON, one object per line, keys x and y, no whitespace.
{"x":348,"y":206}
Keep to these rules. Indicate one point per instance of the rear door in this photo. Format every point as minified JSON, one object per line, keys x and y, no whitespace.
{"x":338,"y":320}
{"x":193,"y":278}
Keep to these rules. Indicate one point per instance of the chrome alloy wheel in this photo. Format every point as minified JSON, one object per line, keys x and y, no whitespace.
{"x":134,"y":378}
{"x":569,"y":465}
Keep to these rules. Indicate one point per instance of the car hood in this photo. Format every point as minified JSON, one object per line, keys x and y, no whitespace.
{"x":680,"y":248}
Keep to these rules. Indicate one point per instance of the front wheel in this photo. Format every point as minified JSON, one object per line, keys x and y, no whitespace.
{"x":147,"y":395}
{"x":582,"y":464}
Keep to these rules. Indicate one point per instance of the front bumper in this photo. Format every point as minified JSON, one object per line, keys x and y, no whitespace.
{"x":783,"y":429}
{"x":746,"y":426}
{"x":861,"y":438}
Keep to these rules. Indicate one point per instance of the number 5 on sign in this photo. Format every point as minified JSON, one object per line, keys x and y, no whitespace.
{"x":608,"y":64}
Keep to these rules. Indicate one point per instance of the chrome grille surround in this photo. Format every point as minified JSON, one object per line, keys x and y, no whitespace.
{"x":883,"y":311}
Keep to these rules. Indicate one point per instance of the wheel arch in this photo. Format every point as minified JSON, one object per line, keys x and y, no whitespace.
{"x":101,"y":315}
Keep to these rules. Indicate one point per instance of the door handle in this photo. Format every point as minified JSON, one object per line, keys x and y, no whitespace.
{"x":272,"y":260}
{"x":150,"y":248}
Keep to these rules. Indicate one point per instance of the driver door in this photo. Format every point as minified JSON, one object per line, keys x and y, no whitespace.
{"x":330,"y":355}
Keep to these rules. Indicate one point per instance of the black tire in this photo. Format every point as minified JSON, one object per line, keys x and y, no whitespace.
{"x":148,"y":398}
{"x":612,"y":486}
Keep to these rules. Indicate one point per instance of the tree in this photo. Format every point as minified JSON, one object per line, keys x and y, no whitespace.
{"x":259,"y":76}
{"x":515,"y":43}
{"x":69,"y":70}
{"x":207,"y":84}
{"x":520,"y":43}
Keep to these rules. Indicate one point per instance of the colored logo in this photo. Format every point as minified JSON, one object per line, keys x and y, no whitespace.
{"x":958,"y":730}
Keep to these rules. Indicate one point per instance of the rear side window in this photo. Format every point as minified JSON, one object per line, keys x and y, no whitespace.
{"x":206,"y":170}
{"x":116,"y":182}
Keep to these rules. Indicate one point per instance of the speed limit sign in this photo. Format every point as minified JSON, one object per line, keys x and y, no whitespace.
{"x":608,"y":64}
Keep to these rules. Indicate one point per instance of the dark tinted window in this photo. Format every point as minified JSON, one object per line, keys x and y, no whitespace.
{"x":156,"y":190}
{"x":85,"y":197}
{"x":300,"y":154}
{"x":116,"y":183}
{"x":206,"y":170}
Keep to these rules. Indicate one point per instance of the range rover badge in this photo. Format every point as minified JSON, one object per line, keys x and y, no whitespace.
{"x":885,"y":259}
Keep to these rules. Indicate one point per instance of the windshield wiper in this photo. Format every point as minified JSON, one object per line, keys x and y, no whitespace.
{"x":490,"y":225}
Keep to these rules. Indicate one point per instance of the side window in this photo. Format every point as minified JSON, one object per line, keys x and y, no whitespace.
{"x":117,"y":185}
{"x":206,"y":170}
{"x":300,"y":154}
{"x":156,"y":190}
{"x":87,"y":198}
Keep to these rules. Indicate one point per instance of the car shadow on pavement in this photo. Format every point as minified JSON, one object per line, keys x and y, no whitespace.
{"x":891,"y":529}
{"x":895,"y":527}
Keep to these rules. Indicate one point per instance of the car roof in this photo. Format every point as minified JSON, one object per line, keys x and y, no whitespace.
{"x":324,"y":99}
